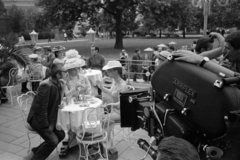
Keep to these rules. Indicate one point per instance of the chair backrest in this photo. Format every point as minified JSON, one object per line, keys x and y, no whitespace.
{"x":95,"y":121}
{"x":12,"y":76}
{"x":24,"y":103}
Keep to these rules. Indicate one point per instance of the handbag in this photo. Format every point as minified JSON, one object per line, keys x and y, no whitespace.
{"x":92,"y":127}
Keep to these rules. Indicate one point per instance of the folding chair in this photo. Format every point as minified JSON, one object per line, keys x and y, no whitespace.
{"x":24,"y":103}
{"x":95,"y":129}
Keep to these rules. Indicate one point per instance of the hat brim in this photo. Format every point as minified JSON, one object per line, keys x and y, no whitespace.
{"x":110,"y":67}
{"x":33,"y":56}
{"x":73,"y":63}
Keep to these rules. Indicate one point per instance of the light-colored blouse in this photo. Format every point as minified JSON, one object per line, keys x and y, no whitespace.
{"x":78,"y":80}
{"x":115,"y":92}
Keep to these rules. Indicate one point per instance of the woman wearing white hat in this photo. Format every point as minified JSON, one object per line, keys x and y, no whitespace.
{"x":77,"y":83}
{"x":114,"y":71}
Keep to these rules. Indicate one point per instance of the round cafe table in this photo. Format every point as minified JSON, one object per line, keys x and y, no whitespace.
{"x":70,"y":117}
{"x":94,"y":75}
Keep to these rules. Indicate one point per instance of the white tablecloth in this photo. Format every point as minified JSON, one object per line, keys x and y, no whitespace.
{"x":70,"y":117}
{"x":93,"y":76}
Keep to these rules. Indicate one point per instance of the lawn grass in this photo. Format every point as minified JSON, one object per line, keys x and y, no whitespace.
{"x":130,"y":44}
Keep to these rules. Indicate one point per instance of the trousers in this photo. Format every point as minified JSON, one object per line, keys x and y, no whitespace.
{"x":52,"y":137}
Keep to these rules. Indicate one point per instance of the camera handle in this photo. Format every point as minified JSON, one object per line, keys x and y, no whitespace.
{"x":153,"y":108}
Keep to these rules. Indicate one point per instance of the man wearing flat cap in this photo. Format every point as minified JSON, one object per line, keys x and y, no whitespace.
{"x":35,"y":70}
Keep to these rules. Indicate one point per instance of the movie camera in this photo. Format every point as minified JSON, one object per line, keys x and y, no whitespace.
{"x":199,"y":105}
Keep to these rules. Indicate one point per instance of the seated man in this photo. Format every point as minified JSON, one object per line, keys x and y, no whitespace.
{"x":42,"y":116}
{"x":96,"y":60}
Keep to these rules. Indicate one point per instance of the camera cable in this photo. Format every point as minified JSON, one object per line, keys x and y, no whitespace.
{"x":152,"y":140}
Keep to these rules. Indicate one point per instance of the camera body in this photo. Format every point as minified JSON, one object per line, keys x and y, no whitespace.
{"x":187,"y":103}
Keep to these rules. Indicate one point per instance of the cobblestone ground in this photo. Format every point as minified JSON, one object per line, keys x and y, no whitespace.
{"x":14,"y":141}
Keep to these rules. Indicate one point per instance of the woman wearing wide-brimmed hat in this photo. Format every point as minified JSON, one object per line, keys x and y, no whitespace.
{"x":77,"y":83}
{"x":114,"y":71}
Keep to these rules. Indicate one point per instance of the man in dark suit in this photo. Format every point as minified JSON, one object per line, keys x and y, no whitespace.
{"x":43,"y":114}
{"x":136,"y":64}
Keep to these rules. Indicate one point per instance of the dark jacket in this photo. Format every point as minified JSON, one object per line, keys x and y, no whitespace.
{"x":137,"y":67}
{"x":44,"y":109}
{"x":96,"y":61}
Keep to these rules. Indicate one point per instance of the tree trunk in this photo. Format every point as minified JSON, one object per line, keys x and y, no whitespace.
{"x":184,"y":33}
{"x":184,"y":28}
{"x":118,"y":27}
{"x":160,"y":33}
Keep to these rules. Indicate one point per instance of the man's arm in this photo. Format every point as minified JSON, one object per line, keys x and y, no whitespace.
{"x":217,"y":51}
{"x":43,"y":94}
{"x":197,"y":59}
{"x":213,"y":53}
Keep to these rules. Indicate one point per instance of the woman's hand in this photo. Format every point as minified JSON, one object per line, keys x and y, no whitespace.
{"x":99,"y":84}
{"x":108,"y":107}
{"x":187,"y":56}
{"x":81,"y":87}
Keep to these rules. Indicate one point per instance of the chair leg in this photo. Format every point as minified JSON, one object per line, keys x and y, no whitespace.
{"x":127,"y":136}
{"x":106,"y":153}
{"x":29,"y":141}
{"x":80,"y":145}
{"x":10,"y":93}
{"x":86,"y":151}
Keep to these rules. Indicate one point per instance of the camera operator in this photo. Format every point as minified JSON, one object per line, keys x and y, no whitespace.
{"x":172,"y":148}
{"x":231,"y":52}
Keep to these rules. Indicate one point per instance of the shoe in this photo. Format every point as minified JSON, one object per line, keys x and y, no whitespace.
{"x":29,"y":156}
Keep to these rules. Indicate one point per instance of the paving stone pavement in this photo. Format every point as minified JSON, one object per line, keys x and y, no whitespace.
{"x":14,"y":141}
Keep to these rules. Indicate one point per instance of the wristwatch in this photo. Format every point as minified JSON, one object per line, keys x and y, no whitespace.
{"x":205,"y":59}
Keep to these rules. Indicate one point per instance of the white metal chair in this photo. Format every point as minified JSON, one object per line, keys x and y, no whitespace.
{"x":12,"y":84}
{"x":24,"y":103}
{"x":94,"y":131}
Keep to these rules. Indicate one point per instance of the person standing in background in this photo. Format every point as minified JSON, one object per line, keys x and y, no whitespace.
{"x":65,"y":36}
{"x":96,"y":60}
{"x":136,"y":61}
